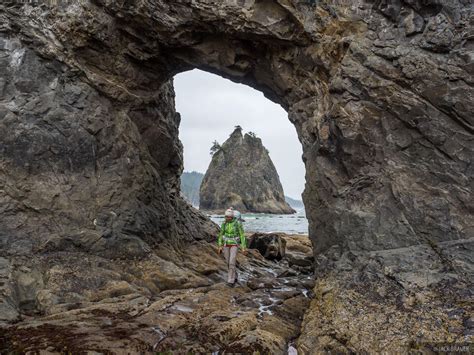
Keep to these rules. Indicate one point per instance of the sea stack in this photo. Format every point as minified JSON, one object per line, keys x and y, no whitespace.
{"x":242,"y":175}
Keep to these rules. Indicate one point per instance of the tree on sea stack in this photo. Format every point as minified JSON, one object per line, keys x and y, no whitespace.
{"x":242,"y":175}
{"x":215,"y":147}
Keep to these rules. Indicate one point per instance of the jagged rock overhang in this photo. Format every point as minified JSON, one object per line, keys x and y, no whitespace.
{"x":318,"y":63}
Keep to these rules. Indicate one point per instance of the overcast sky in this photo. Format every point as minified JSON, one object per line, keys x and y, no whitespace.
{"x":211,"y":106}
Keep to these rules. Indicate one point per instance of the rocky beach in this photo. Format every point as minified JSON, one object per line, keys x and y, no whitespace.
{"x":174,"y":300}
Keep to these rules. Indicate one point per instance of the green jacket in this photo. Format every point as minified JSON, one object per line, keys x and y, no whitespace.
{"x":229,"y":231}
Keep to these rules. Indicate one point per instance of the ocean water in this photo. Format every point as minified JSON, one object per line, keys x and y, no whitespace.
{"x":262,"y":222}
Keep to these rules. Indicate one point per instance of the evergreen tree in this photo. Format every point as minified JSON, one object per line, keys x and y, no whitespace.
{"x":215,"y":147}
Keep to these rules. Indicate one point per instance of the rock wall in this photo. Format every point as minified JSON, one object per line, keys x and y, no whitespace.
{"x":380,"y":92}
{"x":242,"y":175}
{"x":392,"y":154}
{"x":77,"y":166}
{"x":381,"y":106}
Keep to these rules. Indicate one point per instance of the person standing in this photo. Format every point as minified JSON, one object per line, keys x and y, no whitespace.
{"x":230,"y":237}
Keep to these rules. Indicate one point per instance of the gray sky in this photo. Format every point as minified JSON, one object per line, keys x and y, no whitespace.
{"x":211,"y":106}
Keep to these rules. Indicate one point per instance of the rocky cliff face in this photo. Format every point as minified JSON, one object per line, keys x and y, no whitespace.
{"x":242,"y":175}
{"x":298,"y":204}
{"x":381,"y":95}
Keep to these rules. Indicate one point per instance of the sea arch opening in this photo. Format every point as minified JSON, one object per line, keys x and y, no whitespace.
{"x":211,"y":107}
{"x":290,"y":70}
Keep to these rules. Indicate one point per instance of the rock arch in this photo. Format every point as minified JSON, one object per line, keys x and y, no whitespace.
{"x":380,"y":93}
{"x":355,"y":89}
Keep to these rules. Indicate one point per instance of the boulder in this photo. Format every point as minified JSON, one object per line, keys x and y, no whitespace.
{"x":271,"y":246}
{"x":299,"y":252}
{"x":299,"y":259}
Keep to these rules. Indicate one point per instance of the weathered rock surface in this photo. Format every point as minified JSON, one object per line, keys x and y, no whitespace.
{"x":370,"y":302}
{"x":381,"y":95}
{"x":176,"y":300}
{"x":299,"y":252}
{"x":294,"y":251}
{"x":271,"y":245}
{"x":242,"y":175}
